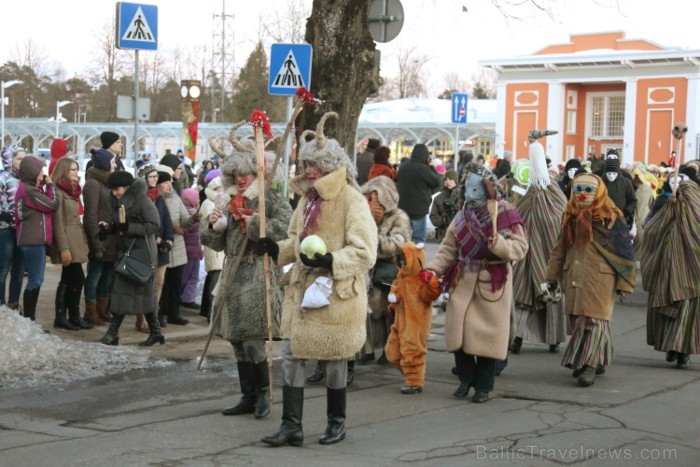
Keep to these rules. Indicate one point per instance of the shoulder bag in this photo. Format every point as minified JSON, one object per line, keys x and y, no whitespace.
{"x":134,"y":269}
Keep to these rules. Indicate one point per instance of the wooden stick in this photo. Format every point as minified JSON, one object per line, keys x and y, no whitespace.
{"x":217,"y":315}
{"x":260,"y":156}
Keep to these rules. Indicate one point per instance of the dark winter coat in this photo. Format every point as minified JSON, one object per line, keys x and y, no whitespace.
{"x":165,"y":232}
{"x":621,"y":191}
{"x":417,"y":181}
{"x":241,"y":299}
{"x":98,"y":199}
{"x":364,"y":164}
{"x":129,"y":297}
{"x":442,"y":213}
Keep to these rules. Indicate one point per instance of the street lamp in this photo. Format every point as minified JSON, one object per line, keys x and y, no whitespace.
{"x":59,"y":104}
{"x":5,"y":84}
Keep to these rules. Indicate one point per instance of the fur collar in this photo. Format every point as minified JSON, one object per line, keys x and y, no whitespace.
{"x":328,"y":186}
{"x":250,"y":193}
{"x":133,"y":195}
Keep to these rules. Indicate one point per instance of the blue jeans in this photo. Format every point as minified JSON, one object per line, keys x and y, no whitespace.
{"x":99,"y":280}
{"x":10,"y":261}
{"x":35,"y":260}
{"x":419,"y":227}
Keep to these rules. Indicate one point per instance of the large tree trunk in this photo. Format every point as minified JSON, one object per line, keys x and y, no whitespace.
{"x":343,"y":71}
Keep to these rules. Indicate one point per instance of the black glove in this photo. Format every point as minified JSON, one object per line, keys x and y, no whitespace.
{"x":269,"y":246}
{"x":123,"y":227}
{"x":319,"y":261}
{"x":103,"y":232}
{"x":6,"y":216}
{"x":164,"y":247}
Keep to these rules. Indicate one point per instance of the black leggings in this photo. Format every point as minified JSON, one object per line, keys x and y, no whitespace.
{"x":170,"y":296}
{"x":74,"y":278}
{"x":475,"y":371}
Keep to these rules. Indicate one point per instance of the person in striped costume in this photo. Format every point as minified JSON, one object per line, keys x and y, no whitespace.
{"x":593,"y":260}
{"x":542,"y":208}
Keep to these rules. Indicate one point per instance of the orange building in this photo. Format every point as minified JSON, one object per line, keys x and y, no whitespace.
{"x":600,"y":91}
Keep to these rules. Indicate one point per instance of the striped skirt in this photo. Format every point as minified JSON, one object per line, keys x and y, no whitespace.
{"x":545,"y":325}
{"x":676,"y":327}
{"x":590,"y":344}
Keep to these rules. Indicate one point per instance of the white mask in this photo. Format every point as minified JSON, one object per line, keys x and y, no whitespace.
{"x":474,"y":191}
{"x":611,"y":176}
{"x":571,"y":173}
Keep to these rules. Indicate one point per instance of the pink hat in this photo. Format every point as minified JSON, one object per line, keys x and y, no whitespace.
{"x":190,"y":197}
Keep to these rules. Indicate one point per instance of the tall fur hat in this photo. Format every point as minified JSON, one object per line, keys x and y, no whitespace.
{"x":242,"y":159}
{"x":386,"y":191}
{"x":326,"y":153}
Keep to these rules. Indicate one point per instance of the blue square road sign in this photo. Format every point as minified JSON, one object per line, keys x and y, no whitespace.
{"x":137,"y":26}
{"x":459,"y":107}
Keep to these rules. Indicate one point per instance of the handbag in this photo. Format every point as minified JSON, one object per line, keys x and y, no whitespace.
{"x":384,"y":273}
{"x":133,"y":269}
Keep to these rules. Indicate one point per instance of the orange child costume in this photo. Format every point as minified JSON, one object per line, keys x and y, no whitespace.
{"x":410,"y":301}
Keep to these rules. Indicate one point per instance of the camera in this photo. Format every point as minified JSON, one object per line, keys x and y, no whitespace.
{"x":450,"y":209}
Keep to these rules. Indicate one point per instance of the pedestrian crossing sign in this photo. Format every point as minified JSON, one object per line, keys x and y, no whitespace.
{"x":290,"y":68}
{"x":137,"y":26}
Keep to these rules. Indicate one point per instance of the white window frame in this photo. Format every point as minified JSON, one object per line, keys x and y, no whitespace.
{"x":589,"y":114}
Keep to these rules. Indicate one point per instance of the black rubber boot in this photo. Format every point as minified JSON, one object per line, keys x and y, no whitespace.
{"x":73,"y":305}
{"x":262,"y":402}
{"x":60,"y":321}
{"x":317,"y":375}
{"x":111,"y":337}
{"x":351,"y":372}
{"x":30,"y":298}
{"x":155,"y":334}
{"x":248,"y":377}
{"x":335,"y":403}
{"x":291,"y":431}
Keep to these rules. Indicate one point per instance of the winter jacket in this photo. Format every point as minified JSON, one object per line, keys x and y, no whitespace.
{"x":165,"y":231}
{"x":336,"y":331}
{"x":129,"y":297}
{"x":9,"y":182}
{"x":443,"y":211}
{"x":98,"y":199}
{"x":213,"y":260}
{"x":180,"y":218}
{"x":241,"y":299}
{"x":193,"y":246}
{"x":621,"y":191}
{"x":34,"y":206}
{"x":364,"y":162}
{"x":416,"y":183}
{"x":68,"y":232}
{"x":380,"y":169}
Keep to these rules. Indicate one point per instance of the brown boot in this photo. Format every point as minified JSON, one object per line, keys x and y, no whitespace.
{"x":91,"y":315}
{"x":141,"y":324}
{"x":102,"y":303}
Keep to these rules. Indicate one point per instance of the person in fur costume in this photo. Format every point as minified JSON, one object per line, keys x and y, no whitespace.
{"x":474,"y":261}
{"x":669,"y":274}
{"x":593,"y":259}
{"x":410,"y":303}
{"x":393,"y":230}
{"x":331,"y":207}
{"x":542,"y":208}
{"x":239,"y":303}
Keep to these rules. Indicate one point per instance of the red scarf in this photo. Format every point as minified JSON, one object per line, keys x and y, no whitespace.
{"x":312,"y":210}
{"x":238,"y":210}
{"x":153,"y":194}
{"x":73,"y":190}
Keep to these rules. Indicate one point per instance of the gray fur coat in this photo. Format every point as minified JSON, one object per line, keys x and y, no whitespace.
{"x":241,"y":299}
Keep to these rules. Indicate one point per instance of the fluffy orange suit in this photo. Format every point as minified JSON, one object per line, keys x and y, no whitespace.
{"x":411,"y":298}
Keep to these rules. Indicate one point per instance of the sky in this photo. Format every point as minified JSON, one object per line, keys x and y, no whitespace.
{"x":451,"y":39}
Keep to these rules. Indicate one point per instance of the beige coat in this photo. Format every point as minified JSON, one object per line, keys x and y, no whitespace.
{"x":478,"y":320}
{"x":336,"y":331}
{"x":213,"y":260}
{"x":587,"y":280}
{"x":68,"y":232}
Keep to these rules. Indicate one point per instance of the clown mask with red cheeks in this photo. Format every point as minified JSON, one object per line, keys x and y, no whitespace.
{"x":585,"y":187}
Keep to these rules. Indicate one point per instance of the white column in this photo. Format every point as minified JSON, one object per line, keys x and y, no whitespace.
{"x":556,"y":102}
{"x":628,"y":132}
{"x":500,"y":119}
{"x":692,"y":119}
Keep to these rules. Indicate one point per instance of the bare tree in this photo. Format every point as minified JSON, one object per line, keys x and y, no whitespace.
{"x":452,"y":83}
{"x":29,"y":54}
{"x":483,"y":84}
{"x":286,"y":25}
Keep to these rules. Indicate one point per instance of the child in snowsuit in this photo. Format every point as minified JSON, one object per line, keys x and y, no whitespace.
{"x":410,"y":301}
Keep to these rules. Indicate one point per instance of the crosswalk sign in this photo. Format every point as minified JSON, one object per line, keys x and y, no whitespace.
{"x":290,"y":68}
{"x":137,"y":26}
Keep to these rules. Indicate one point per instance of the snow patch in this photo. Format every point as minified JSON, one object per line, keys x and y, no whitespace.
{"x":29,"y":357}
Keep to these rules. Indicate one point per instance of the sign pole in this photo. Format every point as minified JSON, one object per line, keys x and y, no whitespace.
{"x":287,"y":147}
{"x":136,"y":112}
{"x":456,"y":154}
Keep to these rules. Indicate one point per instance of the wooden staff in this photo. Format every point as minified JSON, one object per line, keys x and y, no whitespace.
{"x":679,"y":131}
{"x":260,"y":123}
{"x":217,"y":313}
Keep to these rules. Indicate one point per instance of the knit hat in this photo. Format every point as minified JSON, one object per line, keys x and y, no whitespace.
{"x":214,"y":183}
{"x":452,"y":175}
{"x":164,"y":177}
{"x":572,"y":164}
{"x":373,"y":143}
{"x":611,"y":165}
{"x":190,"y":197}
{"x":101,"y":159}
{"x":147,"y":169}
{"x":120,"y":178}
{"x":172,"y":161}
{"x":613,"y":153}
{"x":326,"y":153}
{"x":108,"y":138}
{"x":212,"y":175}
